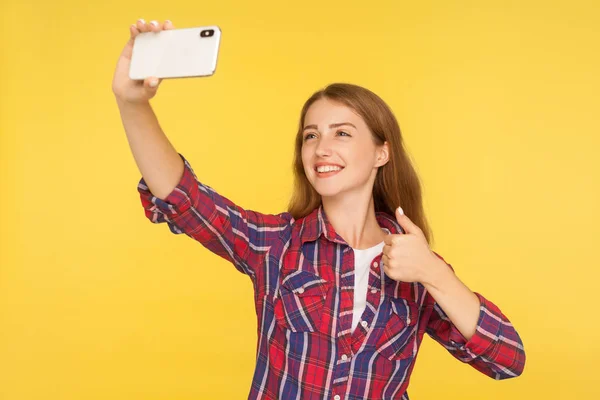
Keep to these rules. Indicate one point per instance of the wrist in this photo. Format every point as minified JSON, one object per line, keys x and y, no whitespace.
{"x":124,"y":103}
{"x":435,"y":274}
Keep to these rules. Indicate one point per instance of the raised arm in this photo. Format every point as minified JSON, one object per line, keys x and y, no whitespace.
{"x":169,"y":189}
{"x":156,"y":158}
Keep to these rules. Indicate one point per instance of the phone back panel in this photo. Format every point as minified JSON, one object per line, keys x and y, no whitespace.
{"x":175,"y":53}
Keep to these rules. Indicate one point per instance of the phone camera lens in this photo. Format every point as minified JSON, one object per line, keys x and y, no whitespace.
{"x":207,"y":33}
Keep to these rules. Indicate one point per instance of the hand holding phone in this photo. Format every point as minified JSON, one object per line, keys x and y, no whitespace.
{"x":128,"y":90}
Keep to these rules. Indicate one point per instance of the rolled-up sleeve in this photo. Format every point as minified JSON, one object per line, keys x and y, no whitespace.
{"x":238,"y":235}
{"x":495,"y":348}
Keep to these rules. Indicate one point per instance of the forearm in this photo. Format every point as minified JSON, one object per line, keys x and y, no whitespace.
{"x":156,"y":158}
{"x":492,"y":344}
{"x":459,"y":303}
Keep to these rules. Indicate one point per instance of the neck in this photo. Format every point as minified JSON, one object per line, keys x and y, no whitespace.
{"x":354,"y":220}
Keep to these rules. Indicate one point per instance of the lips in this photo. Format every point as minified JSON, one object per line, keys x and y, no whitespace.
{"x":328,"y":173}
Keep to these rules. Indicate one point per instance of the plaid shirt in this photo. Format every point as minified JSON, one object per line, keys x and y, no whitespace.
{"x":303,"y":277}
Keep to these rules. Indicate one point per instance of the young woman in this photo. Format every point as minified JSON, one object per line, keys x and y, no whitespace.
{"x":345,"y":284}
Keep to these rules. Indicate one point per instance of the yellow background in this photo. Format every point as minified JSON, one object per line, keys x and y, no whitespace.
{"x":498,"y":103}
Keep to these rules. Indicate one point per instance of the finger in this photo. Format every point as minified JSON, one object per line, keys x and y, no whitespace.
{"x":395,"y":240}
{"x":142,"y":25}
{"x":405,"y":222}
{"x":133,"y":31}
{"x":168,"y":25}
{"x":155,"y":26}
{"x":388,"y":239}
{"x":387,"y":249}
{"x":151,"y":83}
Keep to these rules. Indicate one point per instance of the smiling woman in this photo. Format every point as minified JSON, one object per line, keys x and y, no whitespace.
{"x":357,"y":131}
{"x":346,"y":283}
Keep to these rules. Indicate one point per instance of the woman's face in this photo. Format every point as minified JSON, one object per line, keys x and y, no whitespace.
{"x":338,"y":151}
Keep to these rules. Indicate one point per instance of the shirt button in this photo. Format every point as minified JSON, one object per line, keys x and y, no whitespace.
{"x":336,"y":397}
{"x":373,"y":290}
{"x":301,"y":290}
{"x":344,"y":357}
{"x":375,"y":264}
{"x":364,"y":324}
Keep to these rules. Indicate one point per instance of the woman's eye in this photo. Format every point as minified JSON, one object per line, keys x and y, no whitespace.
{"x":312,"y":135}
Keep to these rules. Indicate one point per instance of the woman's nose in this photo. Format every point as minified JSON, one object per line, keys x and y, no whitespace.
{"x":323,"y":148}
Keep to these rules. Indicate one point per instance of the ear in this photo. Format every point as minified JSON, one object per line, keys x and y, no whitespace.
{"x":383,"y":154}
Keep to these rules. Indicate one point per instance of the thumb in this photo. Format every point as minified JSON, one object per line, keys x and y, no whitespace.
{"x":405,"y":223}
{"x":151,"y":84}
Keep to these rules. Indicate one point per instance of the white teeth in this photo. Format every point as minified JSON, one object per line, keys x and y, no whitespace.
{"x":328,"y":168}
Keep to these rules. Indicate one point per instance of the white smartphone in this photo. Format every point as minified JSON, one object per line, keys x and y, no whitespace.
{"x":175,"y":53}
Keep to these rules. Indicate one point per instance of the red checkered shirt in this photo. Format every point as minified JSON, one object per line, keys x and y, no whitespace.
{"x":303,"y":277}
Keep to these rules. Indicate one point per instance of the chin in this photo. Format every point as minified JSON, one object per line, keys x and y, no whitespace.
{"x":326,"y":190}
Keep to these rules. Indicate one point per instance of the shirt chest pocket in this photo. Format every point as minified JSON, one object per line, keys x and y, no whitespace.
{"x":300,"y":301}
{"x":398,"y":339}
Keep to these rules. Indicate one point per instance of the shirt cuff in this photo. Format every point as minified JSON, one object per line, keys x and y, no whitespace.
{"x":177,"y":202}
{"x":486,"y":333}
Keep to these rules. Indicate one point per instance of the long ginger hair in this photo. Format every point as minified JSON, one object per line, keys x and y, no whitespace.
{"x":396,"y":183}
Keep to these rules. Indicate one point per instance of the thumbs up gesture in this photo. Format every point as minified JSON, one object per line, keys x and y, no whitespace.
{"x":407,"y":257}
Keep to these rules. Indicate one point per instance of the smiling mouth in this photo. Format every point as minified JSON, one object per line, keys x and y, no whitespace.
{"x":324,"y":172}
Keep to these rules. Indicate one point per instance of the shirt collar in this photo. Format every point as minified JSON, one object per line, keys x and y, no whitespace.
{"x":316,"y":224}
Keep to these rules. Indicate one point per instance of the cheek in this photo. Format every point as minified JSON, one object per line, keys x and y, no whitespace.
{"x":305,"y":160}
{"x":361,"y":159}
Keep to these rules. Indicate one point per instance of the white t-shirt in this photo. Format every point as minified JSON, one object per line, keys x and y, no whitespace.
{"x":362,"y":266}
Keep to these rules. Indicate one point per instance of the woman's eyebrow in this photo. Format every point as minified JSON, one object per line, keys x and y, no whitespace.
{"x":331,"y":126}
